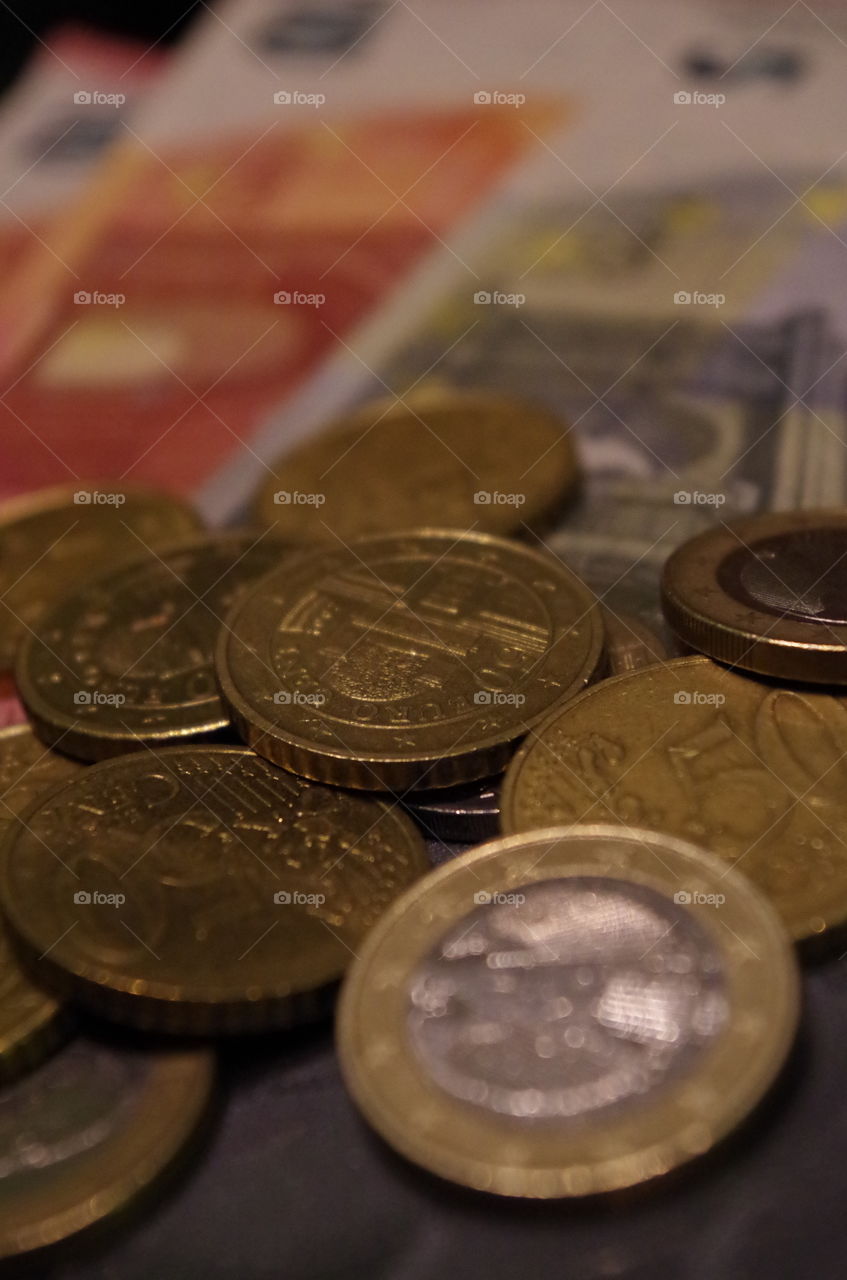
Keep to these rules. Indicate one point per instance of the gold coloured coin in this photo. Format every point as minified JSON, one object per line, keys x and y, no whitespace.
{"x":767,"y":593}
{"x":127,"y":661}
{"x":54,"y":540}
{"x":30,"y":1020}
{"x":200,"y":889}
{"x":406,"y":661}
{"x":752,"y":771}
{"x":568,"y":1012}
{"x":87,"y":1132}
{"x":440,"y":457}
{"x":630,"y":644}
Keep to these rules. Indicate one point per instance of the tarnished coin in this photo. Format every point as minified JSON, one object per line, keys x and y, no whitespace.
{"x":406,"y":661}
{"x":201,"y":890}
{"x":127,"y":661}
{"x":630,"y":644}
{"x":767,"y":593}
{"x":568,"y":1012}
{"x":753,"y":771}
{"x":30,"y":1020}
{"x":439,"y":457}
{"x":467,"y":813}
{"x":87,"y":1131}
{"x":52,"y":541}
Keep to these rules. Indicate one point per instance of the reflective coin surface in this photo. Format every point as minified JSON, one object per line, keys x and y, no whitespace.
{"x":630,"y":644}
{"x":201,"y":889}
{"x":438,"y":457}
{"x":407,"y":661}
{"x":469,"y":813}
{"x":568,"y":1012}
{"x":753,"y":771}
{"x":30,"y":1019}
{"x":127,"y":661}
{"x":54,"y":540}
{"x":87,"y":1131}
{"x":768,"y":594}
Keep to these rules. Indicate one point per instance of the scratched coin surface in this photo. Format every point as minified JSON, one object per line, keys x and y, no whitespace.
{"x":753,"y":771}
{"x":440,"y":457}
{"x":569,"y":1011}
{"x":767,"y":593}
{"x":30,"y":1019}
{"x":406,"y":661}
{"x":128,"y":660}
{"x":201,"y":889}
{"x":54,"y":540}
{"x":87,"y":1131}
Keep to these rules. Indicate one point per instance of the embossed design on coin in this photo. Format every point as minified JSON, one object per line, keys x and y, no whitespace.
{"x":630,"y":644}
{"x":85,"y":1132}
{"x":568,"y":1011}
{"x":766,"y":594}
{"x":53,"y":541}
{"x":567,"y":996}
{"x":128,"y":660}
{"x":202,"y":889}
{"x":406,"y":661}
{"x":753,"y":771}
{"x":440,"y":457}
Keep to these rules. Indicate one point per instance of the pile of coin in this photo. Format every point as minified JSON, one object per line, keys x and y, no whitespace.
{"x":245,"y":750}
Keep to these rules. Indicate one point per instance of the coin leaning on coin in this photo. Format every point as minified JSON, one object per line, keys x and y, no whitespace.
{"x":407,"y":661}
{"x":127,"y":661}
{"x":200,"y":890}
{"x":568,"y":1012}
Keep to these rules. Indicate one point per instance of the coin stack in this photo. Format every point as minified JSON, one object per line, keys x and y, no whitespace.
{"x":244,"y":751}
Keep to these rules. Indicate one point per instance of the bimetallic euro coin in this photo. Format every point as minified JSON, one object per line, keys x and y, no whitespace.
{"x":30,"y":1019}
{"x":87,"y":1131}
{"x":54,"y":540}
{"x":568,"y":1012}
{"x":753,"y":771}
{"x":406,"y":661}
{"x":127,"y":661}
{"x":200,"y":889}
{"x":767,"y":594}
{"x":440,"y":456}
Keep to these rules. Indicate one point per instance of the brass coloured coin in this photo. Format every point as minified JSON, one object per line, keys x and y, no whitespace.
{"x":199,"y":889}
{"x":407,"y":661}
{"x":127,"y":661}
{"x":54,"y":540}
{"x":568,"y":1012}
{"x":753,"y":771}
{"x":630,"y":643}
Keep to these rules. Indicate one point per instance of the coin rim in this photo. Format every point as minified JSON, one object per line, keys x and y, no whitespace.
{"x":398,"y":770}
{"x":428,"y":1126}
{"x":703,"y":615}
